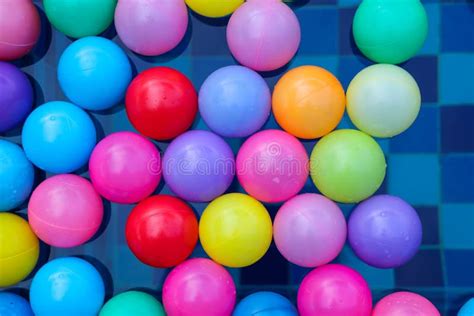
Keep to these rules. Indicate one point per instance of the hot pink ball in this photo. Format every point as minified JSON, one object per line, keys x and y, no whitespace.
{"x":199,"y":287}
{"x":405,"y":304}
{"x":272,"y":166}
{"x":65,"y":211}
{"x":125,"y":167}
{"x":309,"y":230}
{"x":334,"y":290}
{"x":151,"y":27}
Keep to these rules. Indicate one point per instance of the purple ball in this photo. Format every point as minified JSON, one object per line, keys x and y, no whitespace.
{"x":198,"y":166}
{"x":384,"y":231}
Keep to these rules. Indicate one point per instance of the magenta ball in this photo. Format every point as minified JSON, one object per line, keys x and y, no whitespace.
{"x":309,"y":230}
{"x":151,"y":27}
{"x":272,"y":166}
{"x":125,"y":167}
{"x":263,"y":34}
{"x":405,"y":304}
{"x":199,"y":287}
{"x":334,"y":290}
{"x":65,"y":211}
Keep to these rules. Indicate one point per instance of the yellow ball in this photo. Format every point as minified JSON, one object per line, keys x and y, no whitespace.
{"x":214,"y":8}
{"x":19,"y":249}
{"x":235,"y":230}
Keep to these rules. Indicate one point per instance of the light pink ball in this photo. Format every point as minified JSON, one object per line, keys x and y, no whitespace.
{"x":199,"y":287}
{"x":65,"y":211}
{"x":151,"y":27}
{"x":405,"y":304}
{"x":125,"y":167}
{"x":309,"y":230}
{"x":263,"y":34}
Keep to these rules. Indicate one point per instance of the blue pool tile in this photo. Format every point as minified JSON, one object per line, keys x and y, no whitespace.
{"x":425,"y":71}
{"x":329,"y":62}
{"x":347,"y":44}
{"x":271,"y":269}
{"x":204,"y":66}
{"x":208,"y":39}
{"x":319,"y":27}
{"x":457,"y":222}
{"x":458,"y":179}
{"x":298,"y":273}
{"x":459,"y":265}
{"x":349,"y":67}
{"x":456,"y":78}
{"x":430,"y":221}
{"x":457,"y":129}
{"x":457,"y":31}
{"x":431,"y":45}
{"x":322,"y":1}
{"x":348,"y":3}
{"x":423,"y":270}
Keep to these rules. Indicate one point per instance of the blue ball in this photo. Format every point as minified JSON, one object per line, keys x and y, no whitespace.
{"x":67,"y":286}
{"x":94,"y":73}
{"x":58,"y":137}
{"x":14,"y":305}
{"x":234,"y":101}
{"x":467,"y":309}
{"x":265,"y":304}
{"x":16,"y":176}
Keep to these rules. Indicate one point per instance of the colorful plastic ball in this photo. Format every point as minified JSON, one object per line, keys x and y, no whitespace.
{"x":405,"y":304}
{"x":16,"y":174}
{"x":58,"y":137}
{"x":265,"y":304}
{"x":14,"y":305}
{"x":385,"y":231}
{"x":19,"y":249}
{"x":467,"y":309}
{"x":234,"y":101}
{"x":214,"y":8}
{"x":270,"y":22}
{"x":125,"y":167}
{"x":161,"y":103}
{"x":347,"y":166}
{"x":199,"y":285}
{"x":390,"y":31}
{"x":94,"y":73}
{"x":272,"y":166}
{"x":67,"y":286}
{"x":309,"y":230}
{"x":80,"y":18}
{"x":235,"y":230}
{"x":162,"y":231}
{"x":334,"y":290}
{"x":151,"y":27}
{"x":132,"y":303}
{"x":198,"y":166}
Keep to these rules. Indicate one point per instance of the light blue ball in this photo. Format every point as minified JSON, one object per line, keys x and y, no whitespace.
{"x":67,"y":286}
{"x":467,"y":309}
{"x":16,"y":176}
{"x":58,"y":137}
{"x":265,"y":304}
{"x":94,"y":73}
{"x":14,"y":305}
{"x":234,"y":101}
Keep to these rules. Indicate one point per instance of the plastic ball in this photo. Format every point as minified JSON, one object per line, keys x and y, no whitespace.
{"x":132,"y":303}
{"x":198,"y":166}
{"x":308,"y":102}
{"x":94,"y":73}
{"x":80,"y":18}
{"x":256,"y":33}
{"x":235,"y":230}
{"x":16,"y":174}
{"x":16,"y":99}
{"x":467,"y":309}
{"x":125,"y":167}
{"x":161,"y":103}
{"x":214,"y":8}
{"x":58,"y":137}
{"x":234,"y":101}
{"x":309,"y":230}
{"x":67,"y":286}
{"x":265,"y":304}
{"x":390,"y":31}
{"x":14,"y":305}
{"x":272,"y":166}
{"x":334,"y":290}
{"x":385,"y":231}
{"x":405,"y":304}
{"x":199,"y":285}
{"x":19,"y":249}
{"x":347,"y":166}
{"x":151,"y":27}
{"x":162,"y":231}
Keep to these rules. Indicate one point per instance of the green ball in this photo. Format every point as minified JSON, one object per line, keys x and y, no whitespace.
{"x":132,"y":303}
{"x":80,"y":18}
{"x":347,"y":166}
{"x":390,"y":31}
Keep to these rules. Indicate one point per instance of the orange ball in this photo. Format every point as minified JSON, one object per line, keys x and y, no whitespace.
{"x":308,"y":102}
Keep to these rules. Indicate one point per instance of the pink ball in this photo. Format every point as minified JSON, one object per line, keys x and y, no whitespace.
{"x":263,"y":34}
{"x":151,"y":27}
{"x":20,"y":27}
{"x":199,"y":287}
{"x":125,"y":167}
{"x":334,"y":290}
{"x":405,"y":304}
{"x":65,"y":211}
{"x":272,"y":166}
{"x":309,"y":230}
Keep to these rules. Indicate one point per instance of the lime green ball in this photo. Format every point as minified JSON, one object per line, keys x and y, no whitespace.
{"x":390,"y":31}
{"x":132,"y":303}
{"x":80,"y":18}
{"x":347,"y":166}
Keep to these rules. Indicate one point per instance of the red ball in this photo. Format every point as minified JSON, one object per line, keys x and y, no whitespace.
{"x":161,"y":103}
{"x":162,"y":231}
